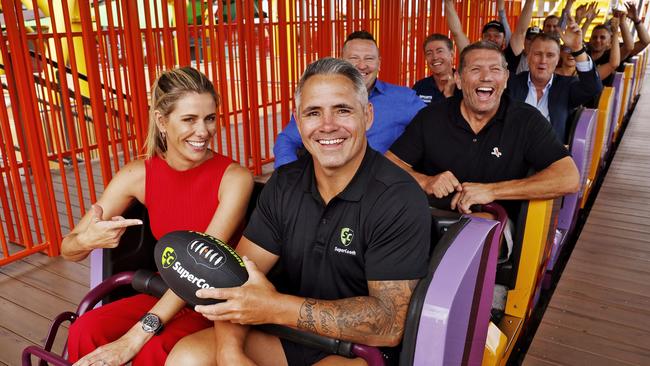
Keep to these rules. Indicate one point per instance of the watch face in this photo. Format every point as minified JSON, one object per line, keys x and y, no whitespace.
{"x":150,"y":323}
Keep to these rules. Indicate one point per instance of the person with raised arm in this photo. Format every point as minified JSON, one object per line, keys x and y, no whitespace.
{"x":630,"y":47}
{"x":555,"y":96}
{"x":517,"y":49}
{"x":495,"y":31}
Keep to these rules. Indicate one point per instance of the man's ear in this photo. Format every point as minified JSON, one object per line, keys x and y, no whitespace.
{"x":370,"y":115}
{"x":457,"y":80}
{"x":296,"y":116}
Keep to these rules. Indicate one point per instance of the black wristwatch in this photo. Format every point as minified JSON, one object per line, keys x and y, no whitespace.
{"x":151,"y":323}
{"x":579,"y":52}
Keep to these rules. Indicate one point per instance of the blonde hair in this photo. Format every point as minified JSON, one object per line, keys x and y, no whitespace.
{"x":166,"y":91}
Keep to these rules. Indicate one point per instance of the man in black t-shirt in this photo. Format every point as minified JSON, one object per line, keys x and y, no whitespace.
{"x":599,"y":49}
{"x":349,"y":231}
{"x":479,"y":149}
{"x":517,"y":49}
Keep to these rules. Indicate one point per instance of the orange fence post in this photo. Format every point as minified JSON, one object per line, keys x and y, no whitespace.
{"x":36,"y":157}
{"x":135,"y":68}
{"x":96,"y":99}
{"x":182,"y":36}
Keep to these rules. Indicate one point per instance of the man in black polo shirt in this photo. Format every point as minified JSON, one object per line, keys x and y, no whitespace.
{"x":480,"y":148}
{"x":349,"y":230}
{"x":438,"y":51}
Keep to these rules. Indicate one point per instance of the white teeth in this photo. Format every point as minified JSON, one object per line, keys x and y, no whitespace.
{"x":330,"y":142}
{"x":489,"y":90}
{"x":437,"y":63}
{"x":197,"y":143}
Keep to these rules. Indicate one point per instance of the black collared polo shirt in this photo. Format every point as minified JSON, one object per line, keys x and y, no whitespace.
{"x":428,"y":91}
{"x":517,"y":139}
{"x":377,"y":228}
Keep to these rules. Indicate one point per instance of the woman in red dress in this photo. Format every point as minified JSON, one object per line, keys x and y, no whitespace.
{"x":185,"y":186}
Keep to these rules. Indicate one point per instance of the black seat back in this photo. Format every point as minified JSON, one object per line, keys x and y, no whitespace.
{"x":134,"y":252}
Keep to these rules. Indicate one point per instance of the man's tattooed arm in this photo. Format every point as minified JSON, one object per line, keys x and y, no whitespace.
{"x":376,"y":320}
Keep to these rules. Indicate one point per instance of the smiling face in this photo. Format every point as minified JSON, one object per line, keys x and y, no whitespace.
{"x":600,"y":40}
{"x":363,"y":54}
{"x":483,"y":79}
{"x":568,"y":61}
{"x":543,"y":58}
{"x":189,"y":127}
{"x":438,"y":57}
{"x":494,"y":36}
{"x":332,"y":122}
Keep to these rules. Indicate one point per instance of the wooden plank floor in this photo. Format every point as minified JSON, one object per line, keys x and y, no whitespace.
{"x":600,"y":311}
{"x":32,"y":292}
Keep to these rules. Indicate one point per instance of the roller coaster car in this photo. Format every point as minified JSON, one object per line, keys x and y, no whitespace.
{"x":618,"y":84}
{"x":581,"y":146}
{"x":534,"y":231}
{"x":447,"y":319}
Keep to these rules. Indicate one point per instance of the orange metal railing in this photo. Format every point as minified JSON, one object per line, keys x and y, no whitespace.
{"x":76,"y":85}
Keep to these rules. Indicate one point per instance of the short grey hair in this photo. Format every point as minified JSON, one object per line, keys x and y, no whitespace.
{"x":334,"y":66}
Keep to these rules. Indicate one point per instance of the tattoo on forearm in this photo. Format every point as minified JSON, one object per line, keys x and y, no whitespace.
{"x":365,"y":319}
{"x":306,"y":319}
{"x":326,"y":319}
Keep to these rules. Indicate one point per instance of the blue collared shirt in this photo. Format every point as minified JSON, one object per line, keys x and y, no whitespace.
{"x":394,"y":107}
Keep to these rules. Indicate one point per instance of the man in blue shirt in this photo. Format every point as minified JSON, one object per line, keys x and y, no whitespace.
{"x":394,"y":106}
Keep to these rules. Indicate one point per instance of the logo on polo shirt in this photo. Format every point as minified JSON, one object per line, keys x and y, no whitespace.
{"x":496,"y":152}
{"x":346,"y":236}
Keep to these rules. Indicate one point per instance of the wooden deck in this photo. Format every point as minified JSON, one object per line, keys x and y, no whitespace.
{"x":600,"y":311}
{"x":32,"y":292}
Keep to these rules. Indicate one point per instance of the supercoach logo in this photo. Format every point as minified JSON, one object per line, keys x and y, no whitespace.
{"x":185,"y":274}
{"x":346,"y":236}
{"x":168,"y":257}
{"x":205,"y":254}
{"x":345,"y":251}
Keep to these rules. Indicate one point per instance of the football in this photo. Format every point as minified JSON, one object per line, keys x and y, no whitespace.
{"x":188,"y":261}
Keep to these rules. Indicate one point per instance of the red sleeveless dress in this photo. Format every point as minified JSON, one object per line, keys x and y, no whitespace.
{"x":183,"y":200}
{"x":175,"y":200}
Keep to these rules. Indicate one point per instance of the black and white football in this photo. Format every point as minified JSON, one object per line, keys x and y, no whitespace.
{"x":188,"y":261}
